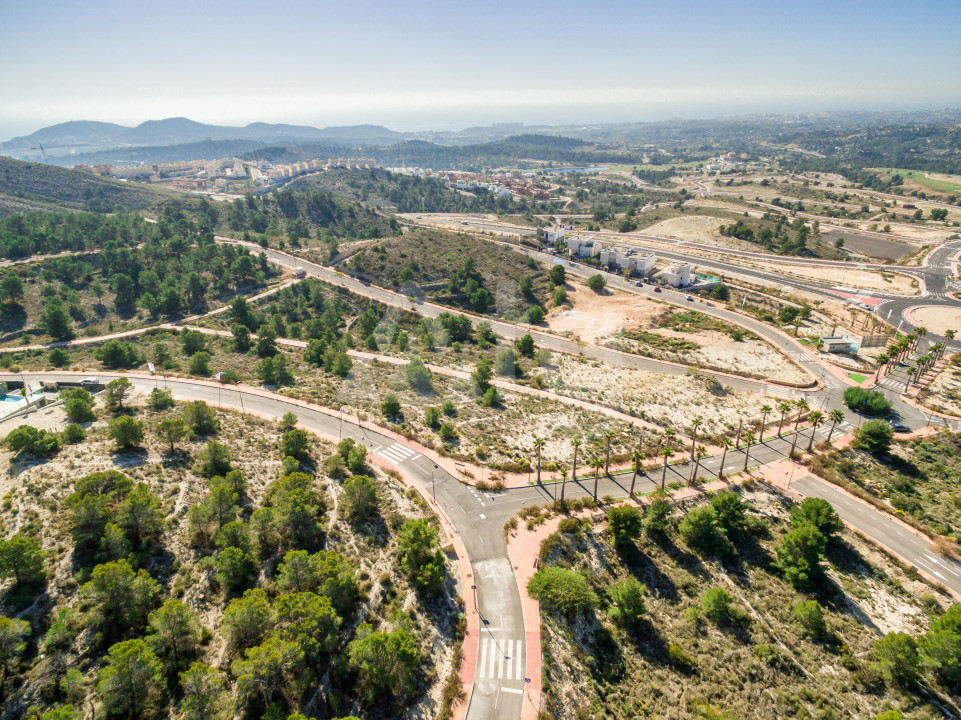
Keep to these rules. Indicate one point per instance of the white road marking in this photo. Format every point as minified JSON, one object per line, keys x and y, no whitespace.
{"x":483,"y":659}
{"x":515,"y":691}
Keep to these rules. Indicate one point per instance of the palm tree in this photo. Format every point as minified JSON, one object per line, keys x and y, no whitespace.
{"x":596,"y":463}
{"x":835,"y":416}
{"x":784,"y":408}
{"x":949,"y":334}
{"x":538,"y":444}
{"x":563,"y":483}
{"x":636,"y":458}
{"x":882,"y":362}
{"x":667,"y":451}
{"x":801,"y":404}
{"x":609,"y":435}
{"x":748,"y":439}
{"x":697,"y":464}
{"x":765,"y":409}
{"x":725,"y":444}
{"x":576,"y":442}
{"x":695,"y":424}
{"x":816,"y":417}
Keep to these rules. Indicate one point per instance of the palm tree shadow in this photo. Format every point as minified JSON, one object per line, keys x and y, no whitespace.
{"x":648,"y":573}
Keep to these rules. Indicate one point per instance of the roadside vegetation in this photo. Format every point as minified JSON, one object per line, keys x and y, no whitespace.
{"x":742,"y":607}
{"x":916,"y":478}
{"x":174,"y":559}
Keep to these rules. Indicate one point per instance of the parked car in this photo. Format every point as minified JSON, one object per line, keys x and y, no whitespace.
{"x":899,"y":427}
{"x":657,"y":288}
{"x":89,"y":381}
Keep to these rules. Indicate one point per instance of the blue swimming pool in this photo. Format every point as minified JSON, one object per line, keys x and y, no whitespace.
{"x":11,"y":398}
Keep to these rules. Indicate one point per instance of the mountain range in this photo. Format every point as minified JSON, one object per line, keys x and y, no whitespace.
{"x":83,"y":136}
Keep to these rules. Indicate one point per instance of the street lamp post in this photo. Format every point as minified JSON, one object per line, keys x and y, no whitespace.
{"x":432,"y":490}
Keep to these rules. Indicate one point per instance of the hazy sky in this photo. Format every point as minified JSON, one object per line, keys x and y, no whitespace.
{"x":447,"y":65}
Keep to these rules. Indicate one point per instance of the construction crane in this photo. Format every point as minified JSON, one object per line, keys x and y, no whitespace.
{"x":42,"y":151}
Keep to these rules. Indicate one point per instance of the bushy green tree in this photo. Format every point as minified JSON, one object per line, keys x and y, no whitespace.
{"x":120,"y":598}
{"x":390,"y":406}
{"x":359,"y":499}
{"x":561,"y":590}
{"x":309,"y":620}
{"x":130,"y":684}
{"x":247,"y":620}
{"x":126,"y":432}
{"x":78,"y":405}
{"x":418,"y":376}
{"x":160,"y":399}
{"x":175,"y":636}
{"x":700,"y":529}
{"x":21,"y":558}
{"x":270,"y":673}
{"x":657,"y":519}
{"x":204,"y":694}
{"x":201,"y":418}
{"x":731,"y":512}
{"x":13,"y":642}
{"x":420,"y":557}
{"x":73,"y":434}
{"x":799,"y":555}
{"x":818,"y":513}
{"x":896,"y":656}
{"x":27,"y":438}
{"x":213,"y":460}
{"x":941,"y":647}
{"x":172,"y":431}
{"x":386,"y":664}
{"x":118,"y":355}
{"x":295,"y":443}
{"x":596,"y":282}
{"x":624,"y":522}
{"x":234,"y":568}
{"x":874,"y":436}
{"x":809,"y":615}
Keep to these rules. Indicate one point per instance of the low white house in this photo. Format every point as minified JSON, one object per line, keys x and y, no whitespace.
{"x":837,"y":345}
{"x":552,"y":235}
{"x":623,"y":258}
{"x":583,"y":248}
{"x":677,"y":274}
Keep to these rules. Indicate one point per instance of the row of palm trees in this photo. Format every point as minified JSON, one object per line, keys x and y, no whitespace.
{"x":902,"y":348}
{"x":668,"y":446}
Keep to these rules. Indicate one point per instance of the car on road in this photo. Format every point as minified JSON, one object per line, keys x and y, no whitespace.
{"x":899,"y":427}
{"x":419,"y":218}
{"x":89,"y":381}
{"x":464,"y":222}
{"x":657,"y":288}
{"x":689,"y":298}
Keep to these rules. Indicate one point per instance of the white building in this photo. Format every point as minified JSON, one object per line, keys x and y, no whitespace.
{"x":552,"y":235}
{"x":583,"y":248}
{"x":677,"y":274}
{"x":623,"y":258}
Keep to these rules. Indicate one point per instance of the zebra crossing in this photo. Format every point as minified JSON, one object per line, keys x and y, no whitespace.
{"x":799,"y":356}
{"x":479,"y":498}
{"x":778,"y":391}
{"x":397,"y":453}
{"x":501,"y":659}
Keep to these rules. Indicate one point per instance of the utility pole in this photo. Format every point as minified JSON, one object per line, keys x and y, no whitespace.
{"x":432,"y":491}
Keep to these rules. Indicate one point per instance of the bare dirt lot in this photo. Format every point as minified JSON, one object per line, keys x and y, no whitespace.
{"x":893,"y":283}
{"x":937,"y":319}
{"x":638,"y":325}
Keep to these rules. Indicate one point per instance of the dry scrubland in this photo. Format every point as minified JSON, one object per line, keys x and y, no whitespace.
{"x":34,"y":493}
{"x":944,"y":392}
{"x":637,"y":325}
{"x":680,"y":662}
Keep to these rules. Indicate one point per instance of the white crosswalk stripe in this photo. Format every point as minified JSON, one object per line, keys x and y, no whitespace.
{"x":778,"y":391}
{"x":501,"y":659}
{"x":397,"y":453}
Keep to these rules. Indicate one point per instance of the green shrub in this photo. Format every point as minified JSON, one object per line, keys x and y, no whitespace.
{"x":680,"y":659}
{"x":869,"y":402}
{"x":125,"y":431}
{"x":896,"y":656}
{"x":35,"y":442}
{"x":562,"y":590}
{"x":701,"y":531}
{"x":73,"y":433}
{"x":624,"y":522}
{"x":809,"y":615}
{"x":799,"y":555}
{"x":818,"y":513}
{"x":874,"y":436}
{"x":657,"y":519}
{"x":717,"y":605}
{"x":627,"y":603}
